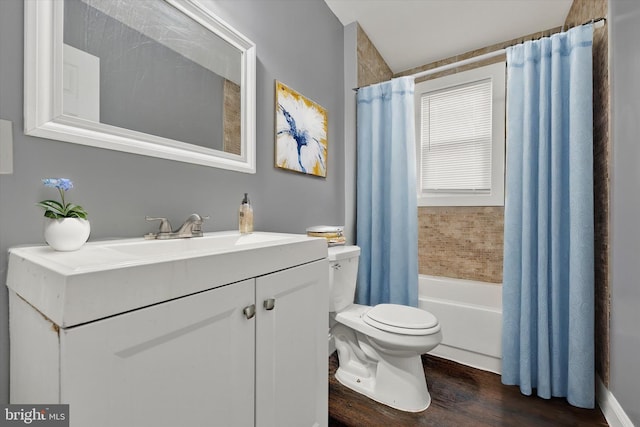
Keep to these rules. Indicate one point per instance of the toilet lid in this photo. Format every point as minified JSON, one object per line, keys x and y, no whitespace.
{"x":400,"y":319}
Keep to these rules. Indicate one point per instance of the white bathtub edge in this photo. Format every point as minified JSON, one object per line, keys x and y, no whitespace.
{"x":470,"y":314}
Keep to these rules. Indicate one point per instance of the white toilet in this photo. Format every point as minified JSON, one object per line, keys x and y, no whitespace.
{"x":378,"y":347}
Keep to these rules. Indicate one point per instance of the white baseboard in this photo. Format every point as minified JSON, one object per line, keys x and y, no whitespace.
{"x":613,"y":412}
{"x":469,"y":358}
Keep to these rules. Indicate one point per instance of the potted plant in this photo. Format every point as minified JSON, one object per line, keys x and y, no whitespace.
{"x":66,"y":225}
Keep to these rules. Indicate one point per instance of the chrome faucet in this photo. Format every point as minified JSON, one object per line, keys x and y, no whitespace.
{"x":192,"y":227}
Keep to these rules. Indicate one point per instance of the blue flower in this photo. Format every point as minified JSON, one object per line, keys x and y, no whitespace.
{"x":59,"y":183}
{"x":55,"y":209}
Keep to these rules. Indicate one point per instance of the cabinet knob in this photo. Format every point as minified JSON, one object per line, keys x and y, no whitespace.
{"x":269,"y":303}
{"x":249,"y":311}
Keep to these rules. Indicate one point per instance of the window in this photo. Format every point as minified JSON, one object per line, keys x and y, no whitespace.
{"x":460,"y":127}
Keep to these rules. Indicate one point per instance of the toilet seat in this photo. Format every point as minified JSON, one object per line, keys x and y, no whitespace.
{"x":400,"y":319}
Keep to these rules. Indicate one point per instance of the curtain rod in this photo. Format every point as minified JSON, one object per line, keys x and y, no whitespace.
{"x":599,"y":22}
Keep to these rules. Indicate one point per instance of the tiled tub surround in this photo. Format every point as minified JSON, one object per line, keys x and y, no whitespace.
{"x":463,"y":242}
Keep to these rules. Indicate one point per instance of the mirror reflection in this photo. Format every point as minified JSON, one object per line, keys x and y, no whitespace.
{"x":147,"y":67}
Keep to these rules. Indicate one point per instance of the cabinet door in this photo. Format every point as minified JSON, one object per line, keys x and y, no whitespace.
{"x":186,"y":362}
{"x":291,"y":347}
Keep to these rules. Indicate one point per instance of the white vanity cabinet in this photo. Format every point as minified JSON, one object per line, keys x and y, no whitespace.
{"x":247,"y":353}
{"x":184,"y":362}
{"x":291,"y":347}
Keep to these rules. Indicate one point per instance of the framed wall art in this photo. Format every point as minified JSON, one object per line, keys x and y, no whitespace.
{"x":301,"y":133}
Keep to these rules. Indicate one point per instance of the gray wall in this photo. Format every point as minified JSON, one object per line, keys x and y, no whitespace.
{"x":624,"y":24}
{"x":350,"y":160}
{"x":298,"y":42}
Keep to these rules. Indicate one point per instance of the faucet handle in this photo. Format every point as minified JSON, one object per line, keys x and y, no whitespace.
{"x":197,"y":223}
{"x":197,"y":218}
{"x":165,"y":227}
{"x":193,"y":225}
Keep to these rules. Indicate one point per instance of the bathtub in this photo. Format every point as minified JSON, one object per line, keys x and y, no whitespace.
{"x":470,"y":314}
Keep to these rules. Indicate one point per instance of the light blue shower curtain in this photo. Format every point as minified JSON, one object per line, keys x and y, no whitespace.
{"x":387,"y":216}
{"x":548,"y":296}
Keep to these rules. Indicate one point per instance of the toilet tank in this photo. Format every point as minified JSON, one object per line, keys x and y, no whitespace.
{"x":343,"y":273}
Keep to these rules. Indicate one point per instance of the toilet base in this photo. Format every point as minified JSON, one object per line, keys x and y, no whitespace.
{"x":367,"y":388}
{"x":395,"y":381}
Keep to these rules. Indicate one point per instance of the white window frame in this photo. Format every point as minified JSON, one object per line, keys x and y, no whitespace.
{"x":495,"y":197}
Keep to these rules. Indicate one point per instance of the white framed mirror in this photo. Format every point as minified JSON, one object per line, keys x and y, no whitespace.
{"x":161,"y":78}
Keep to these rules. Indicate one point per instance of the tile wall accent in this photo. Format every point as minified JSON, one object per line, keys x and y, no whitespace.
{"x":371,"y":66}
{"x":462,"y":242}
{"x":582,"y":11}
{"x":231,"y":120}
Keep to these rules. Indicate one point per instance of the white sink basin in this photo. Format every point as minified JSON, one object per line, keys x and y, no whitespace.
{"x":209,"y":243}
{"x":109,"y":277}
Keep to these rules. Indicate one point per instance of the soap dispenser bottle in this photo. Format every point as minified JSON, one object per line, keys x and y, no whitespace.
{"x":245,"y":216}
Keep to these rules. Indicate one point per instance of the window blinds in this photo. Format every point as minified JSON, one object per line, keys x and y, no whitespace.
{"x":456,"y":139}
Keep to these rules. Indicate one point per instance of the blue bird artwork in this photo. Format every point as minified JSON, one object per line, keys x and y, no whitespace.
{"x":301,"y":133}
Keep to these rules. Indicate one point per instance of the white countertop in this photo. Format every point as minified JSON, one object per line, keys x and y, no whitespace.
{"x":105,"y":278}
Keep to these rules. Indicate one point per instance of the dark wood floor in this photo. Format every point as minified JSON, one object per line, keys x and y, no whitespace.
{"x":460,"y":396}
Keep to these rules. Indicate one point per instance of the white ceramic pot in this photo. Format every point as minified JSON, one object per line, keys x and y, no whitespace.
{"x":66,"y":234}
